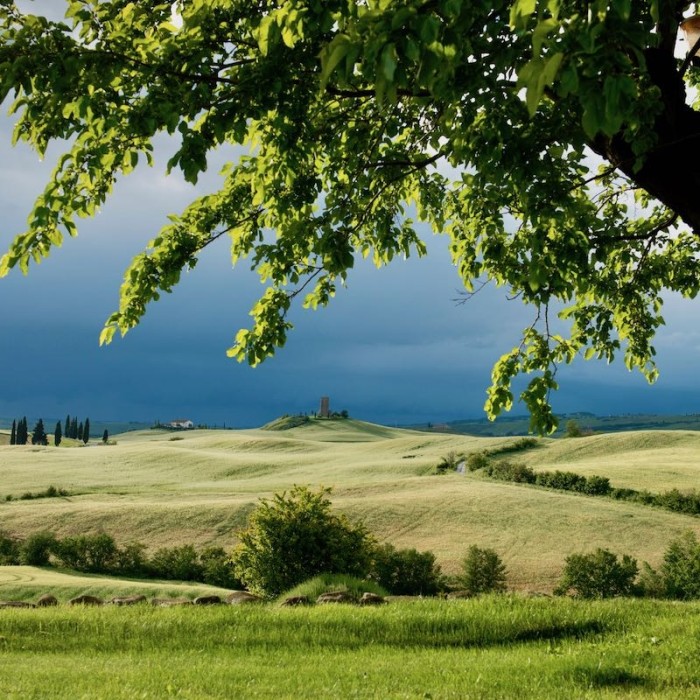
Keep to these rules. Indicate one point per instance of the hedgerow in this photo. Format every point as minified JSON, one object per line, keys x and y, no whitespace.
{"x":687,"y":502}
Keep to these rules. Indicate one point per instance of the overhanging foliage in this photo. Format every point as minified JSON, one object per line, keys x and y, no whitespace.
{"x":347,"y":112}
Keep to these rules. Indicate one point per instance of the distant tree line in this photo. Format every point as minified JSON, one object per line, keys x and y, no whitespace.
{"x":73,"y":429}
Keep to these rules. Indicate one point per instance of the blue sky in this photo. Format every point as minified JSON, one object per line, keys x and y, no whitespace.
{"x":393,"y":347}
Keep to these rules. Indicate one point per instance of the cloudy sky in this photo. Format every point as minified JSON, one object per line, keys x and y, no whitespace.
{"x":393,"y":347}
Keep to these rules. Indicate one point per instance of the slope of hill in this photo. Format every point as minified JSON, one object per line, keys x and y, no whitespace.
{"x":199,"y":486}
{"x":656,"y":460}
{"x":519,"y":425}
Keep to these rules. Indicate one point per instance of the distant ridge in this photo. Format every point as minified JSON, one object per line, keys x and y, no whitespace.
{"x":518,"y":425}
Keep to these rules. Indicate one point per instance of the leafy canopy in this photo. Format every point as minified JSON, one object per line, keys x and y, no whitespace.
{"x":342,"y":118}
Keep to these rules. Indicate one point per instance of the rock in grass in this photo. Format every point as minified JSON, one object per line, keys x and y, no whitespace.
{"x":243,"y":597}
{"x":208,"y":600}
{"x":335,"y":597}
{"x":86,"y":600}
{"x":295,"y":600}
{"x":372,"y":599}
{"x":128,"y":600}
{"x":16,"y":604}
{"x":47,"y":601}
{"x":170,"y":602}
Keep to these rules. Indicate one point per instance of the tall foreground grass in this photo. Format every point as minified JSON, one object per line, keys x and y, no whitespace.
{"x":484,"y":648}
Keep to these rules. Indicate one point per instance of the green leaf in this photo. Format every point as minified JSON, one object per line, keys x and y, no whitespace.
{"x":388,"y":62}
{"x":334,"y":53}
{"x":520,"y":11}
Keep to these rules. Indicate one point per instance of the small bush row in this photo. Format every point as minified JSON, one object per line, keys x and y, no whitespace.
{"x":560,"y":480}
{"x":602,"y":574}
{"x":479,"y":460}
{"x":99,"y":554}
{"x":687,"y":502}
{"x":521,"y":445}
{"x":50,"y":492}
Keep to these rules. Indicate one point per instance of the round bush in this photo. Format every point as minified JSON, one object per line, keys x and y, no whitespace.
{"x":36,"y":550}
{"x":598,"y":575}
{"x":294,"y":537}
{"x":681,"y":567}
{"x":482,"y":572}
{"x":406,"y":571}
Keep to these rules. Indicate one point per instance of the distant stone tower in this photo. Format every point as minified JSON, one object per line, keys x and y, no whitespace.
{"x":324,"y":411}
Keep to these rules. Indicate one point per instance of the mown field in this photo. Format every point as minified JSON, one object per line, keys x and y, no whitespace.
{"x":163,"y":489}
{"x":27,"y":583}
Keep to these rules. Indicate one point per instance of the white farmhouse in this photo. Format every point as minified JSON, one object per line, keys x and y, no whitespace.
{"x":181,"y":424}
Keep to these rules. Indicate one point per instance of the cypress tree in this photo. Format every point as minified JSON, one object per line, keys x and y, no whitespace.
{"x":105,"y":436}
{"x":66,"y":429}
{"x":57,"y":434}
{"x":74,"y":428}
{"x":39,"y":434}
{"x":22,"y":431}
{"x":80,"y":431}
{"x":86,"y":431}
{"x":13,"y":434}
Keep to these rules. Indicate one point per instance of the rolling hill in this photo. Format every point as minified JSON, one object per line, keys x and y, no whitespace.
{"x":199,"y":486}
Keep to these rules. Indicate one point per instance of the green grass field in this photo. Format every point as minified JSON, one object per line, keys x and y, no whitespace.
{"x":201,"y":486}
{"x":486,"y":648}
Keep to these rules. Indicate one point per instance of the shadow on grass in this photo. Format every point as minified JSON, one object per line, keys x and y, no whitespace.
{"x":552,"y":633}
{"x":500,"y":637}
{"x":597,"y":678}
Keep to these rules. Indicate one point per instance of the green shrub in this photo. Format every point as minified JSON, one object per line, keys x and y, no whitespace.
{"x":406,"y":571}
{"x":681,"y":568}
{"x":624,"y":494}
{"x":92,"y":553}
{"x":650,"y":583}
{"x":511,"y":471}
{"x":515,"y":446}
{"x":563,"y":481}
{"x":482,"y":572}
{"x":50,"y":492}
{"x":598,"y":486}
{"x":9,"y":550}
{"x":177,"y":563}
{"x":36,"y":550}
{"x":326,"y":583}
{"x":294,"y":537}
{"x":598,"y":575}
{"x":573,"y":430}
{"x":476,"y":461}
{"x":217,"y":568}
{"x":679,"y":502}
{"x":449,"y":463}
{"x":130,"y":560}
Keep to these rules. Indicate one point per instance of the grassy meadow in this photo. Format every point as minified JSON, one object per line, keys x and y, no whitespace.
{"x":165,"y":488}
{"x":491,"y":647}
